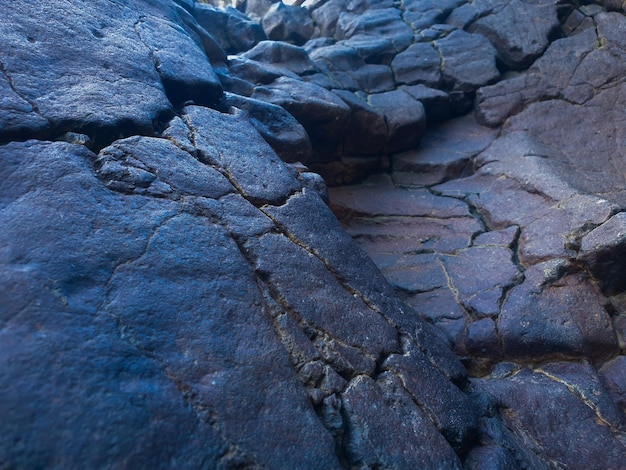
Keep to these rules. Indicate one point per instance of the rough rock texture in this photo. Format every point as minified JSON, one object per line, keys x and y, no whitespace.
{"x":176,"y":292}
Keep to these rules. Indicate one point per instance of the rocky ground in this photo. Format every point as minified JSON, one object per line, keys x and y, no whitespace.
{"x":176,"y":292}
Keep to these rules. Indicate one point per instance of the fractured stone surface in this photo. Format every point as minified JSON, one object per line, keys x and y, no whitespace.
{"x":176,"y":292}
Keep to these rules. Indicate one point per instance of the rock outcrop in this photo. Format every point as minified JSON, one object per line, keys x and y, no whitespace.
{"x":176,"y":292}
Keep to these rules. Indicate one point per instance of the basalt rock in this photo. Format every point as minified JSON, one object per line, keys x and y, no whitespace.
{"x":176,"y":291}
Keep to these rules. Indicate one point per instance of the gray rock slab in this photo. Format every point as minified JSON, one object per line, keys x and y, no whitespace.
{"x":278,"y":259}
{"x":614,"y":379}
{"x":46,"y":70}
{"x":413,"y":234}
{"x":440,"y":307}
{"x":436,"y":102}
{"x":519,"y":47}
{"x":321,"y":112}
{"x":444,"y":153}
{"x":385,"y":22}
{"x":183,"y":66}
{"x":482,"y":294}
{"x":469,"y":60}
{"x":367,"y":131}
{"x":419,"y":63}
{"x":147,"y":165}
{"x":290,"y":23}
{"x":334,"y":247}
{"x":234,"y":31}
{"x":291,"y":57}
{"x":573,"y":431}
{"x":269,"y":181}
{"x":373,"y":200}
{"x":414,"y":437}
{"x":405,"y":116}
{"x":121,"y":302}
{"x":546,"y":317}
{"x":279,"y":128}
{"x":455,"y":419}
{"x":602,"y":248}
{"x":19,"y":118}
{"x":371,"y":48}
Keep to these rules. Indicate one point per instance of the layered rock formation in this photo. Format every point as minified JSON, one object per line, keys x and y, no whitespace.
{"x":177,"y":293}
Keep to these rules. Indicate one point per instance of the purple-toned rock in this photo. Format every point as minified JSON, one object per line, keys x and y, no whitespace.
{"x":405,"y":116}
{"x":602,"y":249}
{"x":366,"y":132}
{"x":556,"y":314}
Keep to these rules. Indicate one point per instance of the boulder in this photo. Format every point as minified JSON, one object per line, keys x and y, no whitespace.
{"x":405,"y":116}
{"x":290,"y":23}
{"x":234,"y":31}
{"x":519,"y":47}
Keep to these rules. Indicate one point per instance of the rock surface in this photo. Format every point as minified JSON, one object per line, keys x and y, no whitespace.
{"x":176,"y":292}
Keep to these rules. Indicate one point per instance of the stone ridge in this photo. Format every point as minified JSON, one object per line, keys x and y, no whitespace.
{"x":177,"y":293}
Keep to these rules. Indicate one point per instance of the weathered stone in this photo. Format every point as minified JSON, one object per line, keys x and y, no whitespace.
{"x":602,"y":249}
{"x":286,"y":55}
{"x":367,"y":439}
{"x":481,"y":339}
{"x":289,"y":23}
{"x":19,"y":118}
{"x":561,"y":421}
{"x":258,"y":73}
{"x":453,"y":416}
{"x":372,"y":49}
{"x":337,"y":57}
{"x":386,"y":200}
{"x":405,"y":116}
{"x":255,"y":9}
{"x":505,"y":237}
{"x":549,"y":315}
{"x":306,"y":211}
{"x":419,"y":63}
{"x":413,"y":273}
{"x":413,"y":234}
{"x":366,"y":132}
{"x":469,"y":61}
{"x":519,"y":47}
{"x":125,"y":165}
{"x":440,"y":307}
{"x":269,"y":182}
{"x":234,"y":31}
{"x":279,"y":128}
{"x":436,"y":102}
{"x":444,"y":153}
{"x":43,"y":68}
{"x":183,"y":67}
{"x":321,"y":112}
{"x":373,"y":78}
{"x":183,"y":270}
{"x":278,"y":260}
{"x":327,"y":15}
{"x":96,"y":305}
{"x":213,"y":50}
{"x":481,"y":294}
{"x":385,"y":22}
{"x":612,"y":374}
